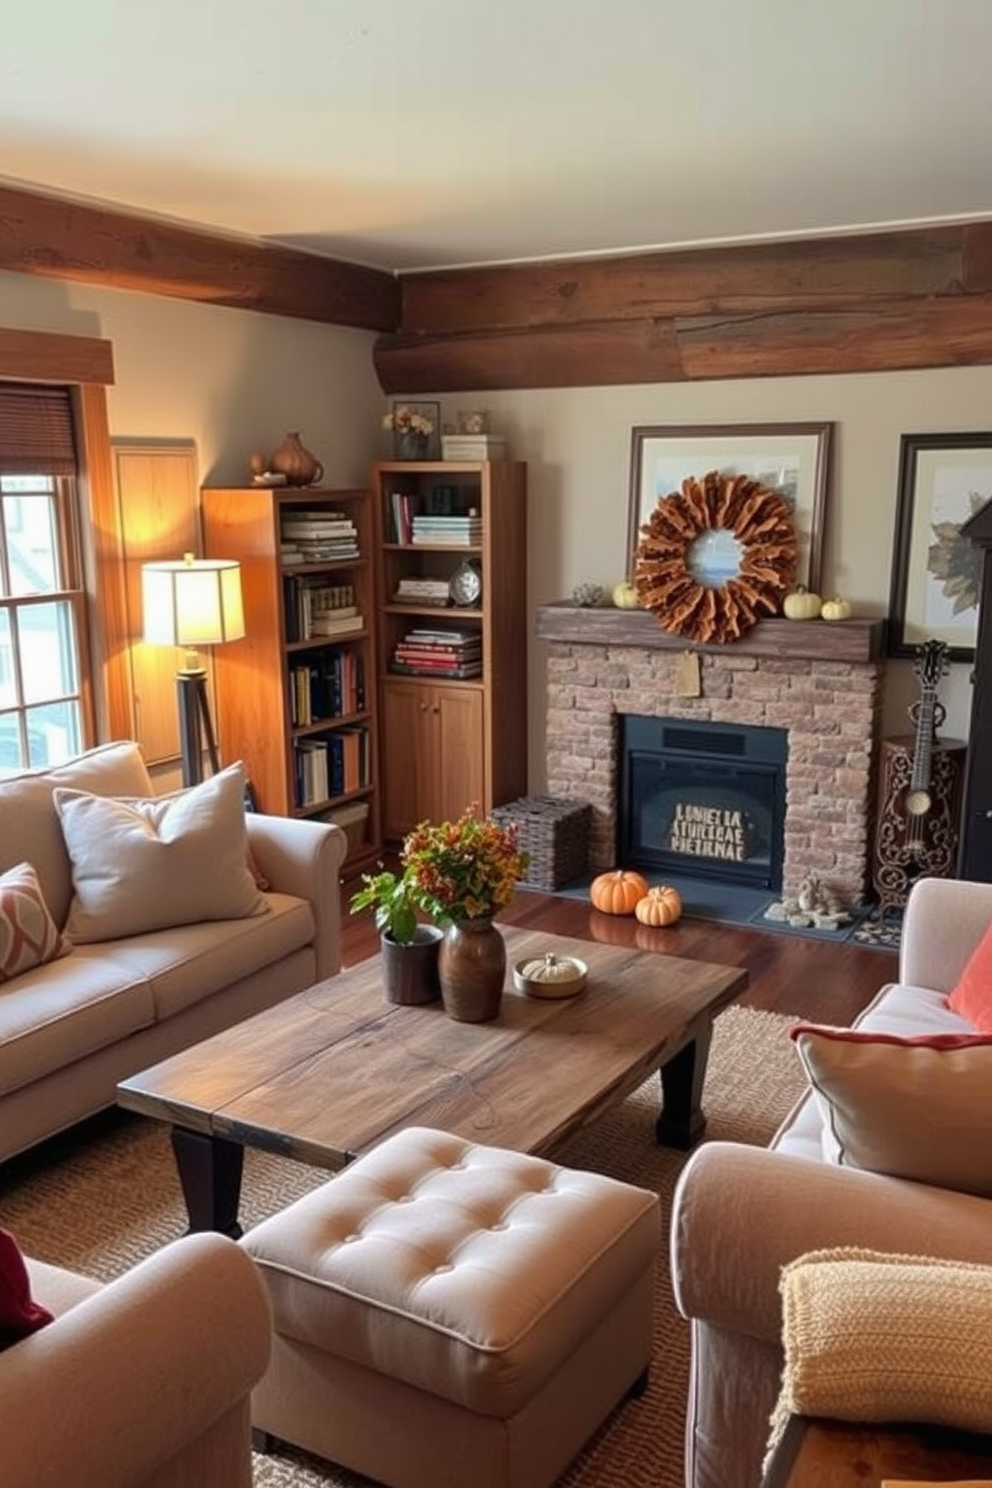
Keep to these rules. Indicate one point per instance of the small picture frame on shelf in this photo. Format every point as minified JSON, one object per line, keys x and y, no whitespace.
{"x":416,"y":430}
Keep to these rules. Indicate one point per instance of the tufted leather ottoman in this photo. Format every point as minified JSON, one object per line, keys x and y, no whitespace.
{"x":449,"y":1314}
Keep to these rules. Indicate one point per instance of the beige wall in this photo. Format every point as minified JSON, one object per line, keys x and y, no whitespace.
{"x":577,"y":443}
{"x":234,"y":381}
{"x":231,"y":380}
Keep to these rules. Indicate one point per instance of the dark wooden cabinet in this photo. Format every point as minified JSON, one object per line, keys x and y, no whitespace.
{"x":975,"y":859}
{"x":907,"y":847}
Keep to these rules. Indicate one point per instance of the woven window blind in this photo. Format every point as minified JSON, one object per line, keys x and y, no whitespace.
{"x":36,"y":432}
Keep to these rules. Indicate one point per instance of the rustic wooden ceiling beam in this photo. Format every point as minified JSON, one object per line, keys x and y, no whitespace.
{"x":882,"y":337}
{"x":55,"y":238}
{"x":808,"y":274}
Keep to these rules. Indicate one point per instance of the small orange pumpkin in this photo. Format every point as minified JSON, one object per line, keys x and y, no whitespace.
{"x":617,"y":892}
{"x":661,"y":905}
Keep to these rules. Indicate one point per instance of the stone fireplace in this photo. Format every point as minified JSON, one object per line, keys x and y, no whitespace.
{"x":820,"y":683}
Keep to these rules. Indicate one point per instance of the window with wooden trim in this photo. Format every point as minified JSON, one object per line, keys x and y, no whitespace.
{"x":44,"y":659}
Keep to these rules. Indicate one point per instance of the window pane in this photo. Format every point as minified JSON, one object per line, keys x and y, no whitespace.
{"x":54,"y":733}
{"x":31,"y":526}
{"x":8,"y":691}
{"x":47,"y":649}
{"x":12,"y":759}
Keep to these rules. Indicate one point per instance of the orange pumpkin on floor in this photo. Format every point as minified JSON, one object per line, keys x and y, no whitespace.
{"x":617,"y":892}
{"x":661,"y":905}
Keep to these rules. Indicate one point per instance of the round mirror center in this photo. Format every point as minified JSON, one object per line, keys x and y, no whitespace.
{"x":714,"y":557}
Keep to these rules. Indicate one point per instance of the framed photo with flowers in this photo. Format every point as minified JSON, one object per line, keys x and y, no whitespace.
{"x":936,"y":573}
{"x":416,"y":429}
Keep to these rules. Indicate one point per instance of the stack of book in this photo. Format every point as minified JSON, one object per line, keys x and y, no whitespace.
{"x":422,"y":591}
{"x":319,"y":536}
{"x":332,"y":685}
{"x":473,"y":446}
{"x":332,"y":766}
{"x":402,"y":505}
{"x":443,"y":652}
{"x":463,"y":531}
{"x":313,"y":608}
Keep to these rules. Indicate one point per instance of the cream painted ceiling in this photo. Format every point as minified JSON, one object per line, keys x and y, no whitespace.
{"x":423,"y":133}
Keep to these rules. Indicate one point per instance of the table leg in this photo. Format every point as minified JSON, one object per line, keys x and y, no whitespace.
{"x":682,"y":1123}
{"x":210,"y":1175}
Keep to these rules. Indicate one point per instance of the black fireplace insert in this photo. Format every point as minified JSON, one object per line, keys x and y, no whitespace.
{"x":705,"y":799}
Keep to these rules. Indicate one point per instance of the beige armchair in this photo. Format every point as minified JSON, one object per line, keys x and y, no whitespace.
{"x":142,"y":1383}
{"x":739,"y":1214}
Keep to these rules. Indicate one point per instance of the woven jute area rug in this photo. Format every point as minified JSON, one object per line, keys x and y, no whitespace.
{"x":103,"y":1197}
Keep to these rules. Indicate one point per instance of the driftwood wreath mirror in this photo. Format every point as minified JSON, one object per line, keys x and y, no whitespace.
{"x":715,"y":556}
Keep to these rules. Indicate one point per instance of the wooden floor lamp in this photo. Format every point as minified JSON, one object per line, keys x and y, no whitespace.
{"x":190,"y":603}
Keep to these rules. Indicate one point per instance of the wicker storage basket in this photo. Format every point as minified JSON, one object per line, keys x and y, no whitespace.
{"x":555,"y":833}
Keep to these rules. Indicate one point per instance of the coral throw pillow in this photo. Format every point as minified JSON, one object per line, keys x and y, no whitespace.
{"x":28,"y":935}
{"x":910,"y":1107}
{"x":972,"y":997}
{"x":19,"y":1313}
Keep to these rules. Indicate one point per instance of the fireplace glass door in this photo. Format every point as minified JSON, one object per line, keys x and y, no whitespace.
{"x":703,"y":799}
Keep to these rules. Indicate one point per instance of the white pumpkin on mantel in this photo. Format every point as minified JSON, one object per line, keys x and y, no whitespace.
{"x":836,"y":609}
{"x":801,"y":604}
{"x":625,"y":596}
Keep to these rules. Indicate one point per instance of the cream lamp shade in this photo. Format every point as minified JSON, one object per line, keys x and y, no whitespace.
{"x":192,"y":602}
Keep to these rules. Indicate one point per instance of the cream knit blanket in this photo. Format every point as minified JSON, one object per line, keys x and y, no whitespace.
{"x":876,"y":1337}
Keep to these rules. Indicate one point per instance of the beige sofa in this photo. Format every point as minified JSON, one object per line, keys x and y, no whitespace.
{"x":740,"y":1213}
{"x":72,"y":1028}
{"x":143,"y":1383}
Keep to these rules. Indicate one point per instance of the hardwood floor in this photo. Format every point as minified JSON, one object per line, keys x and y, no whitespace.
{"x":826,"y":982}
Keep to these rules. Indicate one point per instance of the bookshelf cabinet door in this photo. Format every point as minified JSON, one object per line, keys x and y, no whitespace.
{"x":433,"y":754}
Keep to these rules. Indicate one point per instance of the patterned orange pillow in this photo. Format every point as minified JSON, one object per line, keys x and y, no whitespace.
{"x":28,"y":934}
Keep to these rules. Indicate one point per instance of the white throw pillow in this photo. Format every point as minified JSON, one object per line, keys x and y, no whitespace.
{"x":909,"y":1107}
{"x":148,"y":864}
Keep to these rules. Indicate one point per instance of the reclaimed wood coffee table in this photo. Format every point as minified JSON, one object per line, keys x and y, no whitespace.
{"x":332,"y":1071}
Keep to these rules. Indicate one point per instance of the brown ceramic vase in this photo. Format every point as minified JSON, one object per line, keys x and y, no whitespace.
{"x":293,"y":460}
{"x":472,"y":969}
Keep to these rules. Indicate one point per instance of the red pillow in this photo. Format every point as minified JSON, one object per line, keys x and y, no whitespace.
{"x":19,"y":1313}
{"x":972,"y":997}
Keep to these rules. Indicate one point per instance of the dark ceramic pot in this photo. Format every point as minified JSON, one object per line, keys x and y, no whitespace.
{"x":410,"y":972}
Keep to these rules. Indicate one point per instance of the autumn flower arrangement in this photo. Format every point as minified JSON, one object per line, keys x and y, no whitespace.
{"x":465,"y":869}
{"x":404,"y":420}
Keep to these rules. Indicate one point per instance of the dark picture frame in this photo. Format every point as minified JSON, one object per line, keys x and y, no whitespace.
{"x":792,"y":459}
{"x":936,"y":574}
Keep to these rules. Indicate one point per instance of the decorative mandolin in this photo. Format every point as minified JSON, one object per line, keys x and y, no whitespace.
{"x":927,"y":715}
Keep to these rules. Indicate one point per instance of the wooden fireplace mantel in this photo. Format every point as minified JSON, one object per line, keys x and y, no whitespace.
{"x":852,"y":640}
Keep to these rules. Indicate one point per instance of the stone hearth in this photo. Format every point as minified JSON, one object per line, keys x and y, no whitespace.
{"x":820,"y":682}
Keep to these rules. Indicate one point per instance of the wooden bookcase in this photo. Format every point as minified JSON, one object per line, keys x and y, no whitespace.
{"x":298,"y":706}
{"x":449,"y":741}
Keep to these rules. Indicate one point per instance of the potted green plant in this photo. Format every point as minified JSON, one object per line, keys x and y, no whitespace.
{"x":409,"y":947}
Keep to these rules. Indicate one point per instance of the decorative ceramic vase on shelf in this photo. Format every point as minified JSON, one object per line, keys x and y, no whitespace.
{"x":472,"y":969}
{"x":409,"y":444}
{"x":296,"y":463}
{"x":410,"y":970}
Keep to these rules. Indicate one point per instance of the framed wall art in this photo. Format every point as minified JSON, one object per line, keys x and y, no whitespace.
{"x":936,"y":573}
{"x":791,"y":459}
